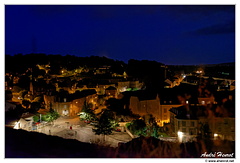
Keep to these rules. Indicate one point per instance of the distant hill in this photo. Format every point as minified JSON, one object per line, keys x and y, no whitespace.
{"x":221,"y":70}
{"x":207,"y":65}
{"x":220,"y":64}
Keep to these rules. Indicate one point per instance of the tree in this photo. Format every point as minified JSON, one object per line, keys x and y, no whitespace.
{"x":24,"y":82}
{"x":38,"y":99}
{"x":144,"y":127}
{"x":105,"y":124}
{"x":23,"y":93}
{"x":152,"y":127}
{"x":137,"y":127}
{"x":115,"y":105}
{"x":26,"y":104}
{"x":35,"y":106}
{"x":50,"y":116}
{"x":87,"y":112}
{"x":147,"y":71}
{"x":36,"y":118}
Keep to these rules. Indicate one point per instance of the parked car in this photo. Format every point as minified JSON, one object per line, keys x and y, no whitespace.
{"x":86,"y":121}
{"x":117,"y":130}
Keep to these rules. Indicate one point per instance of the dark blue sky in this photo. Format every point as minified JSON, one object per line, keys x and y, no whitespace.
{"x":192,"y":34}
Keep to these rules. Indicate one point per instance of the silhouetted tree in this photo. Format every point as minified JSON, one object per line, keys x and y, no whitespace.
{"x":137,"y":127}
{"x":105,"y":124}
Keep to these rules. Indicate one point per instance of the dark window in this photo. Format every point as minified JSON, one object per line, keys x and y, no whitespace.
{"x":192,"y":124}
{"x":184,"y":123}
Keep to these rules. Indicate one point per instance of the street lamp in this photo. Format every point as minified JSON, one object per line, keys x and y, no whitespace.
{"x":180,"y":136}
{"x":215,"y":136}
{"x":17,"y":125}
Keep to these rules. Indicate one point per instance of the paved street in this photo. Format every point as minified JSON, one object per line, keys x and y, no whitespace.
{"x":82,"y":132}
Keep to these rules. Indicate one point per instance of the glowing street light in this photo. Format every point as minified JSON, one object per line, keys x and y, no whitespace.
{"x":180,"y":136}
{"x":17,"y":125}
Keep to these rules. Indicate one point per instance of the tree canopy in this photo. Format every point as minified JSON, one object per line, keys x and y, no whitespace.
{"x":146,"y":126}
{"x":87,"y":113}
{"x":105,"y":123}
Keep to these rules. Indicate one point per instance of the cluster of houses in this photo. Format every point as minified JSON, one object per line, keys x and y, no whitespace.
{"x":189,"y":115}
{"x":67,"y":95}
{"x":177,"y":111}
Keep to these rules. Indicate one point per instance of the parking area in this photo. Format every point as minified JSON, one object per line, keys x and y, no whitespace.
{"x":73,"y":128}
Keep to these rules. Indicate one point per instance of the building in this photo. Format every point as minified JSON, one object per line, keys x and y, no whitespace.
{"x":143,"y":103}
{"x":101,"y":88}
{"x":111,"y":92}
{"x":71,"y":105}
{"x":184,"y":120}
{"x":189,"y":120}
{"x":206,"y":100}
{"x":25,"y":122}
{"x":124,"y":85}
{"x":165,"y":113}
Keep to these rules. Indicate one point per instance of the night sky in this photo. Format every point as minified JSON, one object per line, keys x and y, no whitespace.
{"x":170,"y":34}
